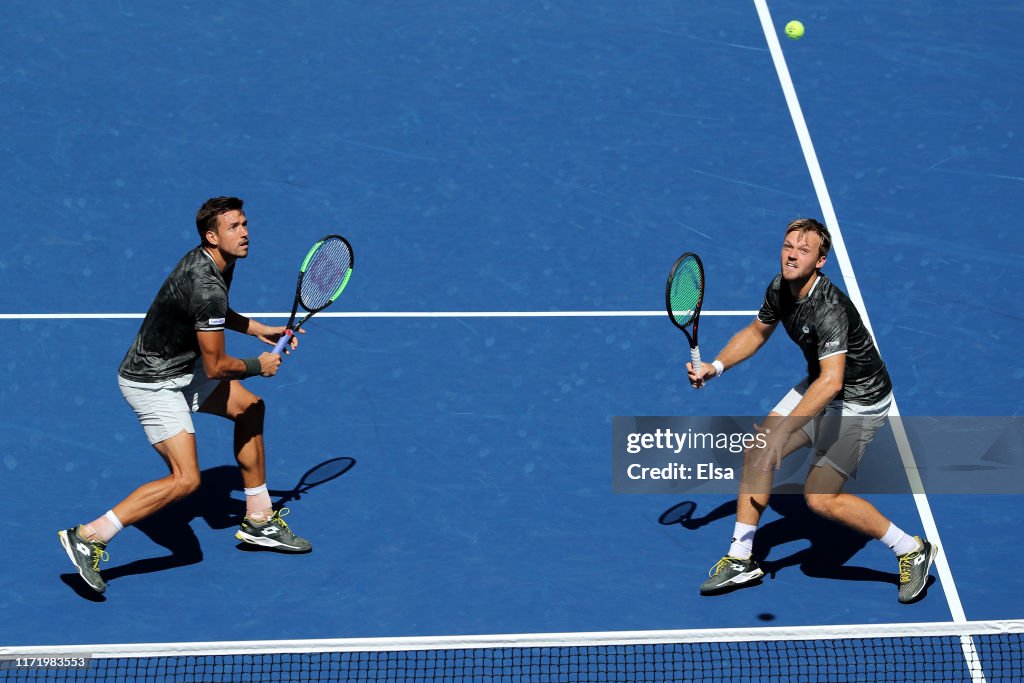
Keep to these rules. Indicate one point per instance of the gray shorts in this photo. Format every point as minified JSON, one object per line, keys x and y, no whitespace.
{"x":841,"y":433}
{"x":165,"y":408}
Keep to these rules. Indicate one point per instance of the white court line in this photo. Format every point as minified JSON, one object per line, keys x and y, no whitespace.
{"x":931,"y":530}
{"x":387,"y":314}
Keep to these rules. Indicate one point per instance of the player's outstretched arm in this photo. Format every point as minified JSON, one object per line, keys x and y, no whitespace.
{"x":742,"y":346}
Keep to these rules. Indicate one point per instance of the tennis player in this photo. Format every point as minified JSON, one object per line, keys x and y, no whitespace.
{"x":836,"y":409}
{"x":178,"y":365}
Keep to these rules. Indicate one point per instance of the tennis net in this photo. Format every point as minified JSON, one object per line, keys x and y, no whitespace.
{"x":977,"y":652}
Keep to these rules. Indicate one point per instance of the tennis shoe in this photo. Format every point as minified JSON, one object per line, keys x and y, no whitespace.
{"x":273,"y":533}
{"x":914,"y":567}
{"x":86,"y":556}
{"x":729,"y":573}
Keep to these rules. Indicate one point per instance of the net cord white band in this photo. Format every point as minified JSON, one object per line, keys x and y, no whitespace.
{"x":582,"y":639}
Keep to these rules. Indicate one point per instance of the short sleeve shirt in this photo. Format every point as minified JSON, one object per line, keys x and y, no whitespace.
{"x":193,"y":298}
{"x":826,"y":323}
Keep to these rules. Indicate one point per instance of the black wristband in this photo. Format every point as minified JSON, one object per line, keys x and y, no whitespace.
{"x":253,"y":367}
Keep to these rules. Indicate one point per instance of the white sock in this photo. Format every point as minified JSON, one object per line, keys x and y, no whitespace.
{"x":899,"y":542}
{"x":103,"y":529}
{"x":258,"y":507}
{"x":742,"y":541}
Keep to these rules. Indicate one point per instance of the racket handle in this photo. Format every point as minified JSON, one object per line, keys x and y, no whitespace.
{"x":285,"y":338}
{"x":695,"y":358}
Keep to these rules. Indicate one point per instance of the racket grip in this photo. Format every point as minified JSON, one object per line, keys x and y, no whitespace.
{"x":285,"y":338}
{"x":695,"y":358}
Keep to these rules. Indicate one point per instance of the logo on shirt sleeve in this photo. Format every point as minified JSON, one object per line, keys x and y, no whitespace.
{"x":216,"y":322}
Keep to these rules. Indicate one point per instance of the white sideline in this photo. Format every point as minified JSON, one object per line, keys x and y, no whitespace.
{"x":931,"y":530}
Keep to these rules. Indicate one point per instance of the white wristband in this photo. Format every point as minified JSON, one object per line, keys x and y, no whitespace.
{"x":719,"y":368}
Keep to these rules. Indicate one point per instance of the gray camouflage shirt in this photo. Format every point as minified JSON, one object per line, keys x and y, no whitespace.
{"x":193,"y":298}
{"x":825,"y":323}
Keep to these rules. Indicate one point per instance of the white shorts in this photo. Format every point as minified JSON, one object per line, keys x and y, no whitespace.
{"x":165,"y":408}
{"x":841,"y":432}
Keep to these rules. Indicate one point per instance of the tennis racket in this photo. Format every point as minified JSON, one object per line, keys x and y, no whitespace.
{"x":684,"y":294}
{"x":322,"y":277}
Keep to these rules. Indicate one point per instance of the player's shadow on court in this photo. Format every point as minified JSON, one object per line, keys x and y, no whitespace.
{"x":219,"y":503}
{"x":832,"y":545}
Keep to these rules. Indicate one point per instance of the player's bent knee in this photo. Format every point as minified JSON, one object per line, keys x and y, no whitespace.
{"x":821,"y":503}
{"x":185,"y":486}
{"x":246,"y":408}
{"x":252,"y":411}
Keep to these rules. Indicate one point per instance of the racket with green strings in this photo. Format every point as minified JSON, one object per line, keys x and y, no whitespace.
{"x":684,"y":294}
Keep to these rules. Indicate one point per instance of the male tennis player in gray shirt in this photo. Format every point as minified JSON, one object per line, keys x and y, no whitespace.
{"x":846,"y":379}
{"x":178,"y":365}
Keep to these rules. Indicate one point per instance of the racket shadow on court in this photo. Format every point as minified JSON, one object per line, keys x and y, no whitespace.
{"x":325,"y":472}
{"x":832,"y":545}
{"x":220,"y":504}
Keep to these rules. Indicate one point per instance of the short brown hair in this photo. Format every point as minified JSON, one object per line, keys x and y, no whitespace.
{"x":805,"y":225}
{"x":206,"y":217}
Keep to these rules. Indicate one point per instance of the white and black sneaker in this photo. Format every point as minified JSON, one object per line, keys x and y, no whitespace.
{"x":730,"y":573}
{"x":86,"y":555}
{"x":273,"y":533}
{"x":914,"y":568}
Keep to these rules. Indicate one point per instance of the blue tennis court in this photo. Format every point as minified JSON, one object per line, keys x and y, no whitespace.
{"x":516,"y":180}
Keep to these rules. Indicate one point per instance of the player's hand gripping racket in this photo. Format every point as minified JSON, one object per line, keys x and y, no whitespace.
{"x":684,"y":295}
{"x":322,"y":277}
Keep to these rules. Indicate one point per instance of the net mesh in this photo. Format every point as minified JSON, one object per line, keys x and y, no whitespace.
{"x":325,"y":272}
{"x":991,"y":656}
{"x":686,"y":285}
